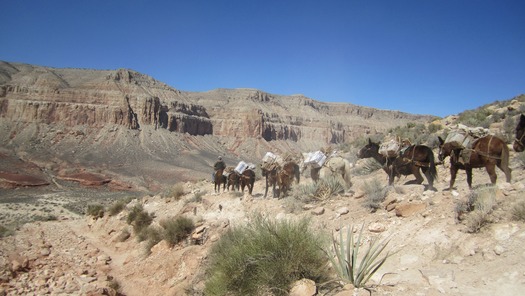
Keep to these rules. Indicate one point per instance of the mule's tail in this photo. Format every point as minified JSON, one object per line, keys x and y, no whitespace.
{"x":297,"y":173}
{"x":432,"y":168}
{"x":504,"y":165}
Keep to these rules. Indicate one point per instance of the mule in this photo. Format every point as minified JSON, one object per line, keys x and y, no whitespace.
{"x":282,"y":177}
{"x":519,"y":142}
{"x":247,"y":179}
{"x":232,"y":181}
{"x":488,"y":152}
{"x":412,"y":160}
{"x":335,"y":166}
{"x":218,"y":180}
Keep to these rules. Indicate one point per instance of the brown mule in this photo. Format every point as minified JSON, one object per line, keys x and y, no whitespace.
{"x":411,"y":161}
{"x":218,"y":180}
{"x":488,"y":152}
{"x":282,"y":177}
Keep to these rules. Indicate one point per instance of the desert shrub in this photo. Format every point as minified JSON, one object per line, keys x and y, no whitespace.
{"x":197,"y":196}
{"x":479,"y":206}
{"x":351,"y":266}
{"x":368,"y":166}
{"x":265,"y":255}
{"x":328,"y":187}
{"x":176,"y":230}
{"x":321,"y":190}
{"x":175,"y":192}
{"x":117,"y":207}
{"x":305,"y":192}
{"x":375,"y":194}
{"x":53,"y":217}
{"x":518,"y":211}
{"x":4,"y":231}
{"x":139,"y":218}
{"x":152,"y":235}
{"x":95,"y":210}
{"x":478,"y":117}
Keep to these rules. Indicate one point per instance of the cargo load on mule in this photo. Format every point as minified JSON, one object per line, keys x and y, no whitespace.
{"x":463,"y":137}
{"x":242,"y":166}
{"x":271,"y":161}
{"x":315,"y":159}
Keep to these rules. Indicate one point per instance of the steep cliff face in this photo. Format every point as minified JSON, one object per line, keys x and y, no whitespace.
{"x":96,"y":98}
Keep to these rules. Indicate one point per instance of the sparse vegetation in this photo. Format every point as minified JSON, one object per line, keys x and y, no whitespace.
{"x":479,"y":206}
{"x":4,"y":231}
{"x":265,"y":255}
{"x":176,"y":192}
{"x":518,"y":211}
{"x":321,"y":190}
{"x":139,"y":219}
{"x":95,"y":210}
{"x":117,"y":207}
{"x":368,"y":166}
{"x":177,"y":229}
{"x":350,"y":265}
{"x":375,"y":194}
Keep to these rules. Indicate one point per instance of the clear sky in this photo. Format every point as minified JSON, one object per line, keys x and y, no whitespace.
{"x":437,"y":57}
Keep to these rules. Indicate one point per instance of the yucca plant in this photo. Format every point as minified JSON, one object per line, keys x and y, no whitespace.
{"x":349,"y":265}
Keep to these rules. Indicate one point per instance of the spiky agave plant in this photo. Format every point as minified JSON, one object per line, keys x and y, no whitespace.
{"x":351,"y":267}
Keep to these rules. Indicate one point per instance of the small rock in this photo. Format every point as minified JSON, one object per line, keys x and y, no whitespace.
{"x":304,"y":287}
{"x":498,"y":250}
{"x":318,"y":211}
{"x":376,"y":227}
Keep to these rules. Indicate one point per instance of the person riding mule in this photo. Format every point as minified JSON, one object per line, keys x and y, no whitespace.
{"x":218,"y":177}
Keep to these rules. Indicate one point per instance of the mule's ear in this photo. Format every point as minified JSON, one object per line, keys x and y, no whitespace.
{"x":522,"y":119}
{"x":370,"y":140}
{"x":441,"y":141}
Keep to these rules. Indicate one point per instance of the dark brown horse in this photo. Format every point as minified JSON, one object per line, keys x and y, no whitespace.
{"x":282,"y":177}
{"x":519,"y":142}
{"x":219,"y":179}
{"x":232,"y":181}
{"x":247,"y":179}
{"x":487,"y":152}
{"x":411,"y":161}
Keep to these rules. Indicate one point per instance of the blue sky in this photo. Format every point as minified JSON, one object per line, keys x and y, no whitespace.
{"x":436,"y":57}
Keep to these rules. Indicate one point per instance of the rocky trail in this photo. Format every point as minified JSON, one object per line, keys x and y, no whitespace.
{"x":434,"y":255}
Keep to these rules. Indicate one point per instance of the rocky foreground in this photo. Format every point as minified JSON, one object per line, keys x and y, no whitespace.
{"x":434,"y":253}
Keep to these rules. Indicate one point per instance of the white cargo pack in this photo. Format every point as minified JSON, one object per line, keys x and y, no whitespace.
{"x":390,"y":148}
{"x":269,"y":157}
{"x":239,"y":169}
{"x":315,"y":159}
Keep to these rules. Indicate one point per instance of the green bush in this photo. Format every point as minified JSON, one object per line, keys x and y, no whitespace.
{"x":265,"y":255}
{"x":139,"y":218}
{"x":117,"y":207}
{"x":95,"y":210}
{"x":4,"y":231}
{"x":176,"y":230}
{"x":352,"y":267}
